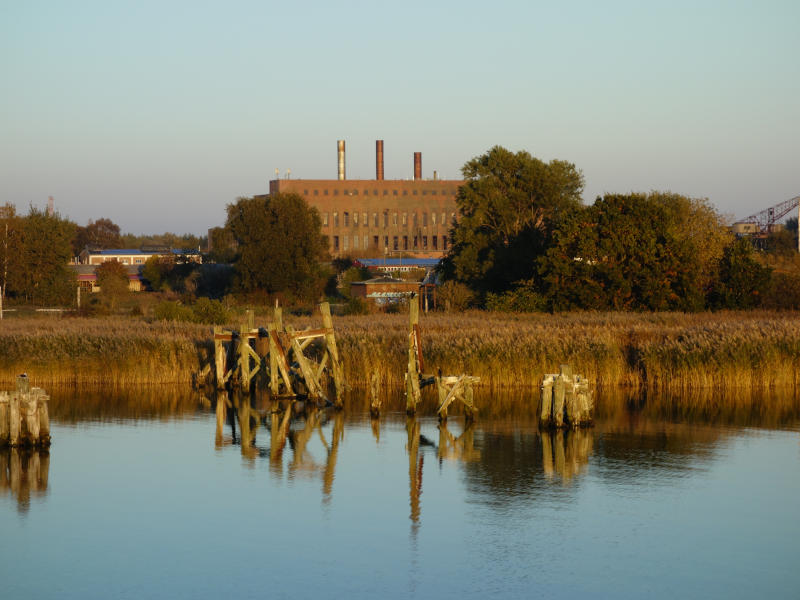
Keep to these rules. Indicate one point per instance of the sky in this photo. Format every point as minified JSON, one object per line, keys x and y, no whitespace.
{"x":159,"y":114}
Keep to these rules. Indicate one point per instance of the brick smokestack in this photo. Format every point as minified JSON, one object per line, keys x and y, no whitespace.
{"x":340,"y":153}
{"x":379,"y":160}
{"x":417,"y":166}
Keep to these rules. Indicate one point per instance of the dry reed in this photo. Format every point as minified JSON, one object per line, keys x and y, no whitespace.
{"x":666,"y":351}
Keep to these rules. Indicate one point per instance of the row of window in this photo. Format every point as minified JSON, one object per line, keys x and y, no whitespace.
{"x":416,"y":242}
{"x":355,"y":192}
{"x":396,"y":219}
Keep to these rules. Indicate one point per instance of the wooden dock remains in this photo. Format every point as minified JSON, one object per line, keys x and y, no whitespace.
{"x":24,"y":416}
{"x":279,"y":353}
{"x":565,"y":401}
{"x":450,"y":387}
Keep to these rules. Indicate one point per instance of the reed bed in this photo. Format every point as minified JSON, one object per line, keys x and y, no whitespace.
{"x":664,"y":351}
{"x":109,"y":351}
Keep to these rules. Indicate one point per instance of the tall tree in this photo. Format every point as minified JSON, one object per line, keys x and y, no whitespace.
{"x":101,"y":234}
{"x":10,"y":244}
{"x":508,"y":206}
{"x":43,"y":276}
{"x":279,"y":245}
{"x":112,"y":277}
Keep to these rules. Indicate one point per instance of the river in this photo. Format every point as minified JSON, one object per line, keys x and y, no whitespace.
{"x":156,"y":495}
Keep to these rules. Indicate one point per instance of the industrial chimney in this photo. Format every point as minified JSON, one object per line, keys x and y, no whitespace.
{"x":417,"y":166}
{"x":340,"y":152}
{"x":379,"y":160}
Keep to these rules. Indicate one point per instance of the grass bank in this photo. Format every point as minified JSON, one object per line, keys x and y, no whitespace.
{"x":667,"y":351}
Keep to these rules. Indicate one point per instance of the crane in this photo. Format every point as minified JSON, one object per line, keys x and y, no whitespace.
{"x":765,"y":220}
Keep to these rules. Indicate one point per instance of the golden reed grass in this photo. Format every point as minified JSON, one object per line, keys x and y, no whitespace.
{"x":667,"y":351}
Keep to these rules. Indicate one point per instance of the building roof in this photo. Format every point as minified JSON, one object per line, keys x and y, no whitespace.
{"x":139,"y":251}
{"x":424,"y":263}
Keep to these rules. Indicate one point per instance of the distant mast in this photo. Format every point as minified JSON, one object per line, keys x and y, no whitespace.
{"x":50,"y":207}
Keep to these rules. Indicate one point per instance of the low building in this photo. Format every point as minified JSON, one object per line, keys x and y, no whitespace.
{"x":397,"y":265}
{"x":384,"y":290}
{"x":133,"y":256}
{"x":87,"y":279}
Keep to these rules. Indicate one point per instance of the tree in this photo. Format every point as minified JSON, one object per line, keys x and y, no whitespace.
{"x":741,"y":281}
{"x":101,"y":234}
{"x":279,"y":245}
{"x":10,"y":244}
{"x":654,"y":251}
{"x":42,"y":275}
{"x":112,"y":277}
{"x":508,"y":206}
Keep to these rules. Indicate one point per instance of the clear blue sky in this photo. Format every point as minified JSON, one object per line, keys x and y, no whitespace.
{"x":158,"y":114}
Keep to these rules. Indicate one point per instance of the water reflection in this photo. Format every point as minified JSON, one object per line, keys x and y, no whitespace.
{"x":23,"y":474}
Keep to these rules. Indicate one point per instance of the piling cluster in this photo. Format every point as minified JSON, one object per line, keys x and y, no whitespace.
{"x":565,"y":401}
{"x":24,"y":417}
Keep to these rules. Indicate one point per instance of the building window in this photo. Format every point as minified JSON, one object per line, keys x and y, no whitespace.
{"x":324,"y":219}
{"x":325,"y":192}
{"x":385,"y":219}
{"x":355,"y":218}
{"x":424,"y":242}
{"x":416,"y":221}
{"x":434,"y":239}
{"x":433,"y":192}
{"x":394,"y":219}
{"x":374,"y":192}
{"x":336,"y":243}
{"x":138,"y":261}
{"x":335,"y":192}
{"x":394,"y":240}
{"x":385,"y":192}
{"x":346,"y":219}
{"x":405,"y":192}
{"x":364,"y":219}
{"x":355,"y":193}
{"x":444,"y":220}
{"x":305,"y":192}
{"x":405,"y":219}
{"x":394,"y":192}
{"x":355,"y":242}
{"x":415,"y":192}
{"x":416,"y":243}
{"x":316,"y":192}
{"x":424,"y":219}
{"x":366,"y":241}
{"x":444,"y":242}
{"x":424,"y":192}
{"x":376,"y":240}
{"x":386,"y":242}
{"x":433,"y":218}
{"x":345,"y":239}
{"x":375,"y":220}
{"x":336,"y":219}
{"x":405,"y":242}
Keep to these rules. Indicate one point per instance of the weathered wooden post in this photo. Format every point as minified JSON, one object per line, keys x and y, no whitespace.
{"x":4,"y":420}
{"x":219,"y":358}
{"x":565,"y":400}
{"x":375,"y":394}
{"x":244,"y":357}
{"x":559,"y":394}
{"x":413,"y":393}
{"x":14,"y":421}
{"x":333,"y":353}
{"x":274,"y":377}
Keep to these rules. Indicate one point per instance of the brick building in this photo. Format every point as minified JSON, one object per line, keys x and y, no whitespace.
{"x":378,"y":216}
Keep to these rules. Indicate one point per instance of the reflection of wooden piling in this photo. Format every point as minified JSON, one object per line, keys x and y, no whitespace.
{"x":24,"y":417}
{"x":565,"y":401}
{"x":24,"y":472}
{"x":415,"y":461}
{"x":565,"y":452}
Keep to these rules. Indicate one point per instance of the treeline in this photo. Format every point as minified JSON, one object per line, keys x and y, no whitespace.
{"x":525,"y":242}
{"x":36,"y":248}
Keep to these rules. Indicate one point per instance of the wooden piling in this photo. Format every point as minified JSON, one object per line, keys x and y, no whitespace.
{"x":219,"y":358}
{"x":413,"y":393}
{"x":333,"y":353}
{"x":565,"y":400}
{"x":4,"y":419}
{"x":14,"y":422}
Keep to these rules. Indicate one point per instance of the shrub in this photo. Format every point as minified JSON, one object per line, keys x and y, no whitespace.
{"x":211,"y":312}
{"x":454,"y":295}
{"x":173,"y":311}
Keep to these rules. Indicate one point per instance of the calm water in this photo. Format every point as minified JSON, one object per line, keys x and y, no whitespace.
{"x":156,"y":496}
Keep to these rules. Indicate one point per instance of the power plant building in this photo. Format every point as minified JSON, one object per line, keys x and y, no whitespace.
{"x":378,"y":216}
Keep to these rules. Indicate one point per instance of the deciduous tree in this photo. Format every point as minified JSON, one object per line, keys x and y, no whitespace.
{"x":279,"y":245}
{"x":508,"y":206}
